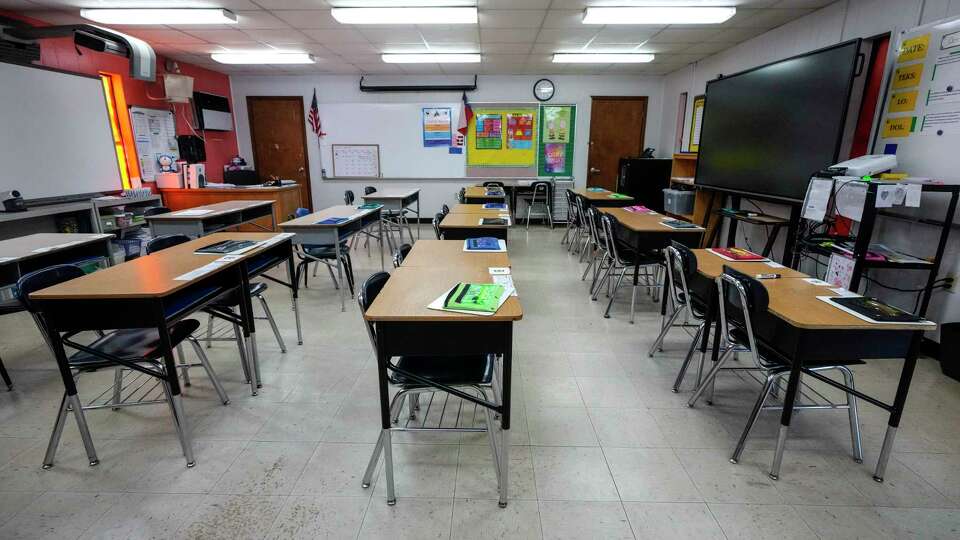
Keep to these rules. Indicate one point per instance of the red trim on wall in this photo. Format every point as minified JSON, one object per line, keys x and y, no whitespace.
{"x":61,"y":54}
{"x":871,"y":97}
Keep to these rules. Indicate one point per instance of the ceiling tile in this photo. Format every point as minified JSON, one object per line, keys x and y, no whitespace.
{"x":706,"y":48}
{"x":813,"y":4}
{"x":563,"y":18}
{"x":663,"y":47}
{"x":506,"y":48}
{"x":625,"y":34}
{"x":571,"y":36}
{"x":292,"y":4}
{"x":259,"y":20}
{"x":684,"y":35}
{"x":279,"y":36}
{"x":352,"y":48}
{"x":447,"y":34}
{"x":374,"y":69}
{"x":401,"y":47}
{"x":339,"y":35}
{"x":164,"y":36}
{"x":392,"y":34}
{"x":771,"y":18}
{"x":735,"y":35}
{"x":506,"y":36}
{"x":313,"y":18}
{"x":513,"y":4}
{"x":453,"y":47}
{"x":503,"y":18}
{"x":222,"y":37}
{"x":360,"y":58}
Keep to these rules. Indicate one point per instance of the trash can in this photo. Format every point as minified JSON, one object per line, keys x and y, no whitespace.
{"x":949,"y":343}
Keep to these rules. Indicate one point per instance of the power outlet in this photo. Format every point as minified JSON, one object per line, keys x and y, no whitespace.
{"x":950,"y":285}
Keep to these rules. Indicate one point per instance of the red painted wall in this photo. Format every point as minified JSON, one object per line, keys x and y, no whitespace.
{"x":220,"y":145}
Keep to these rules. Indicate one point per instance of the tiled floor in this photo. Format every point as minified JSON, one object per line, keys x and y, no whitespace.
{"x":603,"y":449}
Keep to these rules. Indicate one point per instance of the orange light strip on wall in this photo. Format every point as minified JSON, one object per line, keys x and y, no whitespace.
{"x":120,"y":126}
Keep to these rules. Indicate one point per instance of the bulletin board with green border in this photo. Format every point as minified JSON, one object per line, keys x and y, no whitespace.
{"x":557,"y":128}
{"x":504,"y":156}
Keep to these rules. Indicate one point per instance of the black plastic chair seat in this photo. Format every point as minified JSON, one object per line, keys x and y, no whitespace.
{"x":141,"y":344}
{"x":448,"y":370}
{"x":232,"y":298}
{"x":630,"y":256}
{"x":324,"y":251}
{"x":11,"y":306}
{"x":771,"y":358}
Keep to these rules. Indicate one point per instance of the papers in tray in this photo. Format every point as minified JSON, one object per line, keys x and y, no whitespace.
{"x":855,"y":313}
{"x":495,"y":221}
{"x":502,"y":249}
{"x":438,"y":303}
{"x":193,"y":212}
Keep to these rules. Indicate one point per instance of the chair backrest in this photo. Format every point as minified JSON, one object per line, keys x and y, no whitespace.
{"x":300,"y":212}
{"x":368,"y":292}
{"x":493,"y":184}
{"x":369,"y":189}
{"x":436,"y":225}
{"x":742,"y":300}
{"x":462,"y":195}
{"x":445,"y":210}
{"x":163,"y":242}
{"x":348,"y":197}
{"x":572,"y":216}
{"x":682,"y":265}
{"x":541,"y":187}
{"x":592,"y":221}
{"x":400,"y":254}
{"x":156,"y":210}
{"x":610,"y":225}
{"x":43,"y":278}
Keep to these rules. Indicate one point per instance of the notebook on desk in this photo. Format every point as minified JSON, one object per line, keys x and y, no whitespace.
{"x":332,"y":221}
{"x":495,"y":206}
{"x":494,"y":221}
{"x":473,"y":298}
{"x":484,"y":243}
{"x":873,"y":310}
{"x":679,"y":224}
{"x":736,"y":254}
{"x":369,"y":206}
{"x":226,"y":246}
{"x":619,"y":196}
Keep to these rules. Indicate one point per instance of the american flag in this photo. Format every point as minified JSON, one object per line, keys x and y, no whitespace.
{"x":314,"y":116}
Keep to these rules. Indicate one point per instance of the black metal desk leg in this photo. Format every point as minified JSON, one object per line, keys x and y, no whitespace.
{"x":171,"y":387}
{"x":771,"y":238}
{"x":383,"y":358}
{"x":70,"y":403}
{"x":793,"y":385}
{"x":294,"y":293}
{"x":906,"y":375}
{"x":505,"y":416}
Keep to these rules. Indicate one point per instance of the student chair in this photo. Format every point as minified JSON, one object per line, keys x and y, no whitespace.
{"x":688,"y":296}
{"x":224,"y":308}
{"x":539,"y":195}
{"x":156,"y":211}
{"x":597,"y":249}
{"x":493,"y":184}
{"x":467,"y":373}
{"x":325,"y":254}
{"x":572,"y":218}
{"x":583,"y":231}
{"x":444,"y":209}
{"x":462,"y":195}
{"x":436,"y":225}
{"x":348,"y":197}
{"x":140,"y":348}
{"x":743,"y":317}
{"x":401,"y":254}
{"x":623,"y":257}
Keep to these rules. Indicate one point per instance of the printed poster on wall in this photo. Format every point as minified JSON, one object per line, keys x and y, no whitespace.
{"x":436,"y":126}
{"x":489,"y":132}
{"x":520,"y":131}
{"x":556,"y":124}
{"x":555,"y":157}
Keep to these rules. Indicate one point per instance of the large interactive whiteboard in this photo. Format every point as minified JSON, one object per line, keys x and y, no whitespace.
{"x":55,"y":135}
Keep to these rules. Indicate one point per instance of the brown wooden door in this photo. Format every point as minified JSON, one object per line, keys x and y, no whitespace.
{"x":278,"y":133}
{"x":616,"y":131}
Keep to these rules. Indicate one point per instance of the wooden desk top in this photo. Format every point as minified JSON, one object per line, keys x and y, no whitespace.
{"x":598,"y":195}
{"x":216,"y":209}
{"x":25,"y":247}
{"x":649,"y":223}
{"x":309,"y":221}
{"x":461,"y":208}
{"x":410,"y":289}
{"x":711,"y":266}
{"x":467,"y":221}
{"x":150,"y":276}
{"x":390,"y":194}
{"x":480,"y":192}
{"x":449,"y":253}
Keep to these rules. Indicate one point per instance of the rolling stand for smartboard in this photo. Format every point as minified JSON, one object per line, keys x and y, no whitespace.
{"x":735,"y":216}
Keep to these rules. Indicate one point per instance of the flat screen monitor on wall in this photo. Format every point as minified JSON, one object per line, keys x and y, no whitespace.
{"x":767,"y":130}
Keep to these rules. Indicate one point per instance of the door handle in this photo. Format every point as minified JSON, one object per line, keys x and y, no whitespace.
{"x":594,"y":170}
{"x":300,"y":169}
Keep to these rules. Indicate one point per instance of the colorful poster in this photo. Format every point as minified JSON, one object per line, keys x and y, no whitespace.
{"x":436,"y":126}
{"x":520,"y":131}
{"x":555,"y":157}
{"x":556,"y":124}
{"x":489,"y":131}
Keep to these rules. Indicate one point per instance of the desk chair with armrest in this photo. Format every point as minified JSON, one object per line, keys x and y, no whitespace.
{"x":743,"y":304}
{"x":325,"y":254}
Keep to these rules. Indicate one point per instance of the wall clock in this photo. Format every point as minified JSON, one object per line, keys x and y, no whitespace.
{"x":544,"y":89}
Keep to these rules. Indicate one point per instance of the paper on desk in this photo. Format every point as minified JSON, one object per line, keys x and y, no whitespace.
{"x":498,"y":270}
{"x":276,"y":239}
{"x":843,"y":292}
{"x":501,"y":276}
{"x":504,"y":217}
{"x":438,"y":303}
{"x":197,"y":272}
{"x":817,"y":199}
{"x":193,"y":212}
{"x":773,"y":264}
{"x":229,"y":258}
{"x":815,"y":281}
{"x":828,"y":299}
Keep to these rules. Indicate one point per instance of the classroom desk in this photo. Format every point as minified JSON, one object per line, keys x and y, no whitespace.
{"x":710,"y":265}
{"x":804,"y":328}
{"x":287,"y":198}
{"x":461,"y":208}
{"x":450,"y":254}
{"x":397,"y":200}
{"x":145,"y":293}
{"x":22,"y":255}
{"x":478,"y":195}
{"x":463,"y":226}
{"x":309,"y":231}
{"x":212,"y":218}
{"x":405,"y":326}
{"x":602,"y":199}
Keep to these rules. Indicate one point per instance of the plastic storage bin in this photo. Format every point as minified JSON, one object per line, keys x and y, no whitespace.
{"x":678,"y":201}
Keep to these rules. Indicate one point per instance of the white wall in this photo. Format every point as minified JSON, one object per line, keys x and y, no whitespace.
{"x":490,"y":88}
{"x":846,"y":19}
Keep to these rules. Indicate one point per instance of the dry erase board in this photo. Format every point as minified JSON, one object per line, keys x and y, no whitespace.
{"x":356,"y":160}
{"x":154,"y":134}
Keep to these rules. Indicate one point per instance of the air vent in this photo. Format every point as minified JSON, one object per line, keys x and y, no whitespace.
{"x":20,"y":53}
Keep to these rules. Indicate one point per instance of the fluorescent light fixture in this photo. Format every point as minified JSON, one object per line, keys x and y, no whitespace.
{"x":406,"y":15}
{"x":657,"y":15}
{"x":426,"y":58}
{"x":160,"y":16}
{"x":601,"y":58}
{"x":263,"y":57}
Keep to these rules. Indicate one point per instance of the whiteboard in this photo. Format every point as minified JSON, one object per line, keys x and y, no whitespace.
{"x":356,"y":160}
{"x":155,"y":134}
{"x":398,"y":130}
{"x":55,"y":134}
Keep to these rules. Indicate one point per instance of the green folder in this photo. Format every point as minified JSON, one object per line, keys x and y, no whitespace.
{"x":369,"y":206}
{"x":484,"y":297}
{"x":619,"y":196}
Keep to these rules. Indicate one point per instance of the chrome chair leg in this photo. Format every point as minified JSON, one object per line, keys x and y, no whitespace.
{"x":180,"y":422}
{"x":183,"y":367}
{"x":333,"y":276}
{"x":209,"y":331}
{"x":686,"y":360}
{"x":388,"y":467}
{"x":273,"y":323}
{"x":710,"y":377}
{"x":243,"y":353}
{"x":665,"y":327}
{"x":117,"y":387}
{"x":854,"y":415}
{"x":372,"y":464}
{"x":633,"y":302}
{"x":211,"y":374}
{"x":55,"y":435}
{"x":504,"y":466}
{"x":613,"y":295}
{"x":755,"y":414}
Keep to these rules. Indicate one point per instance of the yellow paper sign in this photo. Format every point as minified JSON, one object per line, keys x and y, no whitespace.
{"x":903,"y":101}
{"x":898,"y":127}
{"x":907,"y":76}
{"x":914,"y":48}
